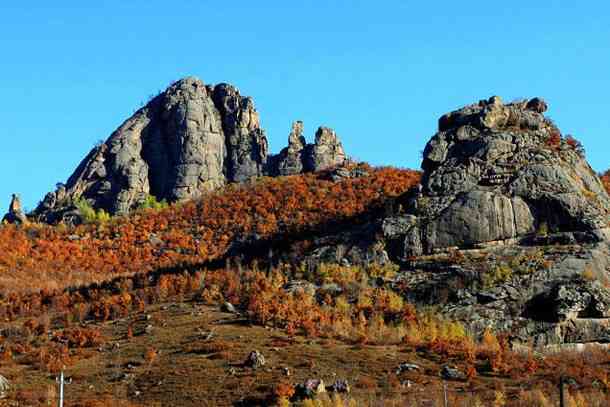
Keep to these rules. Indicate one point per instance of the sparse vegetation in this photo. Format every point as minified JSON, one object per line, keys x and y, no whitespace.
{"x":151,"y":202}
{"x":89,"y":214}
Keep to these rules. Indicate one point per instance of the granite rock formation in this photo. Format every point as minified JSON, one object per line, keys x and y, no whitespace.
{"x":326,"y":152}
{"x":15,"y":213}
{"x":291,"y":159}
{"x":190,"y":139}
{"x":507,"y":230}
{"x":501,"y":173}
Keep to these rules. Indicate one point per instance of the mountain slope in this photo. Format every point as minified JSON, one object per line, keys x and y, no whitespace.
{"x":194,"y":232}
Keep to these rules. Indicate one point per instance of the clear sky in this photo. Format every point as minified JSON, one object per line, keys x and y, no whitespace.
{"x":379,"y":72}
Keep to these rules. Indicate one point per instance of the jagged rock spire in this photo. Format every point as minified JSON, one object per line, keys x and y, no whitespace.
{"x":15,"y":212}
{"x":326,"y":152}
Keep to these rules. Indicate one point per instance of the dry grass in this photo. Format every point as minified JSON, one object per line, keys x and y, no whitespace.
{"x":188,"y":369}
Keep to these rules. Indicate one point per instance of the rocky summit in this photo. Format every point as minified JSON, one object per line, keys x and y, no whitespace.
{"x":190,"y":139}
{"x":508,"y":228}
{"x":502,"y":173}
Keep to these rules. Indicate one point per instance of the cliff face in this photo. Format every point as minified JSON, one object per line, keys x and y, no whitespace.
{"x":190,"y":139}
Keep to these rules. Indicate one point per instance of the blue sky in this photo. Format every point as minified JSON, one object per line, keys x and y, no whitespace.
{"x":379,"y":72}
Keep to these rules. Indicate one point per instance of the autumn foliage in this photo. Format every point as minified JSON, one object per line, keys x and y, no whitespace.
{"x":53,"y":258}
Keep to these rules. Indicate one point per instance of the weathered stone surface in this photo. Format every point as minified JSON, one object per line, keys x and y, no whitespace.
{"x":300,"y":286}
{"x":546,"y":296}
{"x":407,"y":367}
{"x":290,"y":159}
{"x":247,"y":147}
{"x":15,"y":213}
{"x":479,"y":216}
{"x":4,"y":387}
{"x":190,"y":139}
{"x":228,"y":307}
{"x":339,"y":386}
{"x":570,"y":300}
{"x":499,"y":172}
{"x":451,"y":373}
{"x":326,"y":152}
{"x":309,"y":389}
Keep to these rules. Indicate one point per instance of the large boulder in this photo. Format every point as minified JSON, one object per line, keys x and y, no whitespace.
{"x":326,"y":152}
{"x":508,"y":228}
{"x":499,"y":172}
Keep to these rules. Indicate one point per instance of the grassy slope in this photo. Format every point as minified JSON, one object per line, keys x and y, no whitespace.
{"x":190,"y":370}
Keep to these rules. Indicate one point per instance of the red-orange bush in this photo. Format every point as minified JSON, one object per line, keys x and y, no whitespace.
{"x":52,"y":258}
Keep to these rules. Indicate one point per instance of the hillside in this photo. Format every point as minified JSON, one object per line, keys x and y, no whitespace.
{"x":39,"y":257}
{"x":487,"y":274}
{"x":146,"y":341}
{"x":182,"y":352}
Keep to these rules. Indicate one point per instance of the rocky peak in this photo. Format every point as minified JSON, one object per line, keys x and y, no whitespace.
{"x":326,"y":152}
{"x":15,"y":212}
{"x":296,"y":140}
{"x":188,"y":140}
{"x":290,"y":160}
{"x":498,"y":172}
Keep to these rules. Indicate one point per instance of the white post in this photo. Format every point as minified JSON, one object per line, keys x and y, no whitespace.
{"x":61,"y":389}
{"x":445,"y":393}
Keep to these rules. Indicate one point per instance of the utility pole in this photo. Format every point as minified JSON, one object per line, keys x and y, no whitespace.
{"x":445,"y":393}
{"x":61,"y":381}
{"x":562,"y":395}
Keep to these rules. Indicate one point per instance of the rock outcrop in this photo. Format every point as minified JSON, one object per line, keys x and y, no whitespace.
{"x":190,"y":139}
{"x":291,"y":159}
{"x":499,"y":172}
{"x":508,"y":228}
{"x":326,"y":152}
{"x":15,"y":212}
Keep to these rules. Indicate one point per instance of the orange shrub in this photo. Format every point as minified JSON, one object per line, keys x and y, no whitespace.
{"x":284,"y":391}
{"x":554,"y":140}
{"x":39,"y":257}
